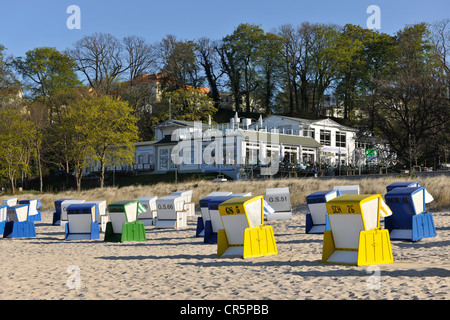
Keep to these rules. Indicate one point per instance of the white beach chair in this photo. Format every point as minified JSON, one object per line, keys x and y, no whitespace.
{"x":57,"y":214}
{"x":100,"y":212}
{"x":279,"y":199}
{"x":171,"y":213}
{"x":148,"y":217}
{"x":189,"y":206}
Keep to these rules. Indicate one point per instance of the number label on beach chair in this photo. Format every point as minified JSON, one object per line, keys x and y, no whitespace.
{"x":279,"y":199}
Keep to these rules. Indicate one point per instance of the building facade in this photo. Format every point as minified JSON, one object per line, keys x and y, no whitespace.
{"x":337,"y":141}
{"x":233,"y":148}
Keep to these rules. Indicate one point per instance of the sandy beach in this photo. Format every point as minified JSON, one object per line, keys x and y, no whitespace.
{"x":176,"y":265}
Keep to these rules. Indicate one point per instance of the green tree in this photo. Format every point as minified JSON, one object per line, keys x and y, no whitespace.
{"x":71,"y":132}
{"x":188,"y":104}
{"x":15,"y":144}
{"x":269,"y":65}
{"x":46,"y":71}
{"x":239,"y":53}
{"x":352,"y":66}
{"x":113,"y":131}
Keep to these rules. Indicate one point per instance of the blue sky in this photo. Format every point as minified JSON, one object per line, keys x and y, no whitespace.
{"x":25,"y":25}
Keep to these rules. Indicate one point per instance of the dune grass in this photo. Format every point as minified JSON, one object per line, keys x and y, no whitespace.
{"x":437,"y":186}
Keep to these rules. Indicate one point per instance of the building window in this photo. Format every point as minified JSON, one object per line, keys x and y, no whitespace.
{"x":252,"y":154}
{"x":164,"y":159}
{"x":340,"y":139}
{"x":308,"y":133}
{"x":325,"y":137}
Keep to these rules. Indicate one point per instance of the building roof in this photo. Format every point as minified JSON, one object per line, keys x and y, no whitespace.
{"x":166,"y":140}
{"x":145,"y":143}
{"x":180,"y":123}
{"x":282,"y":138}
{"x":310,"y":122}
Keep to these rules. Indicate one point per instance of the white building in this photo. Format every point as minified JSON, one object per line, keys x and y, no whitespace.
{"x":337,"y":141}
{"x":232,"y":148}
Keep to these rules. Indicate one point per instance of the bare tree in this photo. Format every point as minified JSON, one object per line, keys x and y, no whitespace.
{"x":440,"y":38}
{"x":140,"y":56}
{"x":100,"y":58}
{"x":291,"y":57}
{"x":209,"y":60}
{"x":178,"y":62}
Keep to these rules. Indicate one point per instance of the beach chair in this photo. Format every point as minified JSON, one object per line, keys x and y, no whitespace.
{"x":409,"y":219}
{"x":171,"y":213}
{"x":244,"y":233}
{"x":64,"y":205}
{"x":35,"y":213}
{"x":317,"y":217}
{"x":57,"y":214}
{"x":279,"y":199}
{"x":355,"y":236}
{"x":214,"y":224}
{"x":9,"y":202}
{"x":189,"y":206}
{"x":101,"y":213}
{"x":3,"y":217}
{"x":81,"y":222}
{"x":353,"y":189}
{"x":204,"y":211}
{"x":124,"y":225}
{"x":18,"y":225}
{"x":148,"y":217}
{"x":428,"y":197}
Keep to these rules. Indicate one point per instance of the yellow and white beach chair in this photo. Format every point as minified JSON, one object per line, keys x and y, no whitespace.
{"x":355,"y":237}
{"x":244,"y":233}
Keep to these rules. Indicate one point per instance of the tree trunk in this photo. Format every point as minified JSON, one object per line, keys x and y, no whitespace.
{"x":78,"y":177}
{"x":38,"y":154}
{"x":247,"y":90}
{"x":13,"y":188}
{"x":102,"y":174}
